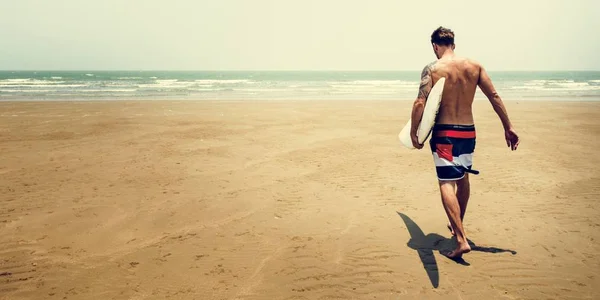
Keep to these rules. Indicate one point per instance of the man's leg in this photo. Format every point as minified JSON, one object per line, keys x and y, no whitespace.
{"x":452,"y":208}
{"x":463,"y":191}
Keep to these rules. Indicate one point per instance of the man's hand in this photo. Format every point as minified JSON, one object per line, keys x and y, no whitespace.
{"x":415,"y":141}
{"x":512,"y":139}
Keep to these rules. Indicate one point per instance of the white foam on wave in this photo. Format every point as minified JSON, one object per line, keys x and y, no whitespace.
{"x":16,"y":80}
{"x":205,"y":90}
{"x":378,"y":82}
{"x":367,"y":91}
{"x":556,"y":85}
{"x":28,"y":82}
{"x":129,"y":78}
{"x":223,"y":81}
{"x":168,"y":84}
{"x":533,"y":88}
{"x":107,"y":90}
{"x":117,"y":84}
{"x":312,"y":89}
{"x":261,"y":90}
{"x":89,"y":75}
{"x":55,"y":77}
{"x":358,"y":88}
{"x":535,"y":82}
{"x":35,"y":86}
{"x":566,"y":82}
{"x":557,"y":88}
{"x":25,"y":91}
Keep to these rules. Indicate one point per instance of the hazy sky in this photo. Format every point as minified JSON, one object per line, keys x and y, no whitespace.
{"x":294,"y":34}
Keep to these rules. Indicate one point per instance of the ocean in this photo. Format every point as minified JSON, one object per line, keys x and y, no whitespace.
{"x":276,"y":85}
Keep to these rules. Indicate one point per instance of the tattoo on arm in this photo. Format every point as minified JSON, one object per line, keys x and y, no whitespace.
{"x":426,"y":81}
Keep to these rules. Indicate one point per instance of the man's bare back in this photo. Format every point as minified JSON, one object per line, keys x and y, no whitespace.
{"x":462,"y":76}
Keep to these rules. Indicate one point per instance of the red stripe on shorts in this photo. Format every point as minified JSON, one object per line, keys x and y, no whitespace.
{"x":455,"y":134}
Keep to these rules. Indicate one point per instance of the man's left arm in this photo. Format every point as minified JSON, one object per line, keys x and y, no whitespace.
{"x":419,"y":104}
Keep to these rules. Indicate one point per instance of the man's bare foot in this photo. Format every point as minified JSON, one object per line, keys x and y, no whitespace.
{"x":458,"y":252}
{"x":451,"y":230}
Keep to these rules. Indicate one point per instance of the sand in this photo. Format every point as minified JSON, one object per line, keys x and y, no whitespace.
{"x":289,"y":200}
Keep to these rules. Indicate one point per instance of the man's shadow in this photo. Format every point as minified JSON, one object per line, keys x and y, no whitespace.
{"x":425,"y":244}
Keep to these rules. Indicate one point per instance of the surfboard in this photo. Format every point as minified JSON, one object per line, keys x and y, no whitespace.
{"x":430,"y":111}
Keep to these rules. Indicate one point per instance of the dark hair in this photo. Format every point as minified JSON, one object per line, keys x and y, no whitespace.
{"x":443,"y":36}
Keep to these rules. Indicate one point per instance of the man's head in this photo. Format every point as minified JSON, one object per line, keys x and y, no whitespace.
{"x":442,"y":39}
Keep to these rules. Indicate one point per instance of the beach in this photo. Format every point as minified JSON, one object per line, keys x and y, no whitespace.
{"x":289,"y":200}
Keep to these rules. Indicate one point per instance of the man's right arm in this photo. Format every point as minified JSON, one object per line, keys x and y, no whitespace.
{"x":486,"y":86}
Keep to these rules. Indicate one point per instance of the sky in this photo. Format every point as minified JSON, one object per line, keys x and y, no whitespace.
{"x":294,"y":34}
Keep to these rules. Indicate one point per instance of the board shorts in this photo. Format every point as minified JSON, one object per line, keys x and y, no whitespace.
{"x":452,"y":147}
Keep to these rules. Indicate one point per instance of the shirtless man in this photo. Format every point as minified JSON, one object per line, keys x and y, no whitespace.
{"x":453,"y":138}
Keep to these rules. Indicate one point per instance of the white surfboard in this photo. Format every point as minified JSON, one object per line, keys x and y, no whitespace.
{"x":430,"y":111}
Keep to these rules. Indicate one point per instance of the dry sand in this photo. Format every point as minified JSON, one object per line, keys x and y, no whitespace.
{"x":289,"y":200}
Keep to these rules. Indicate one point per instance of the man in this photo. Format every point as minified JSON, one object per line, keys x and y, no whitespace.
{"x":453,"y":138}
